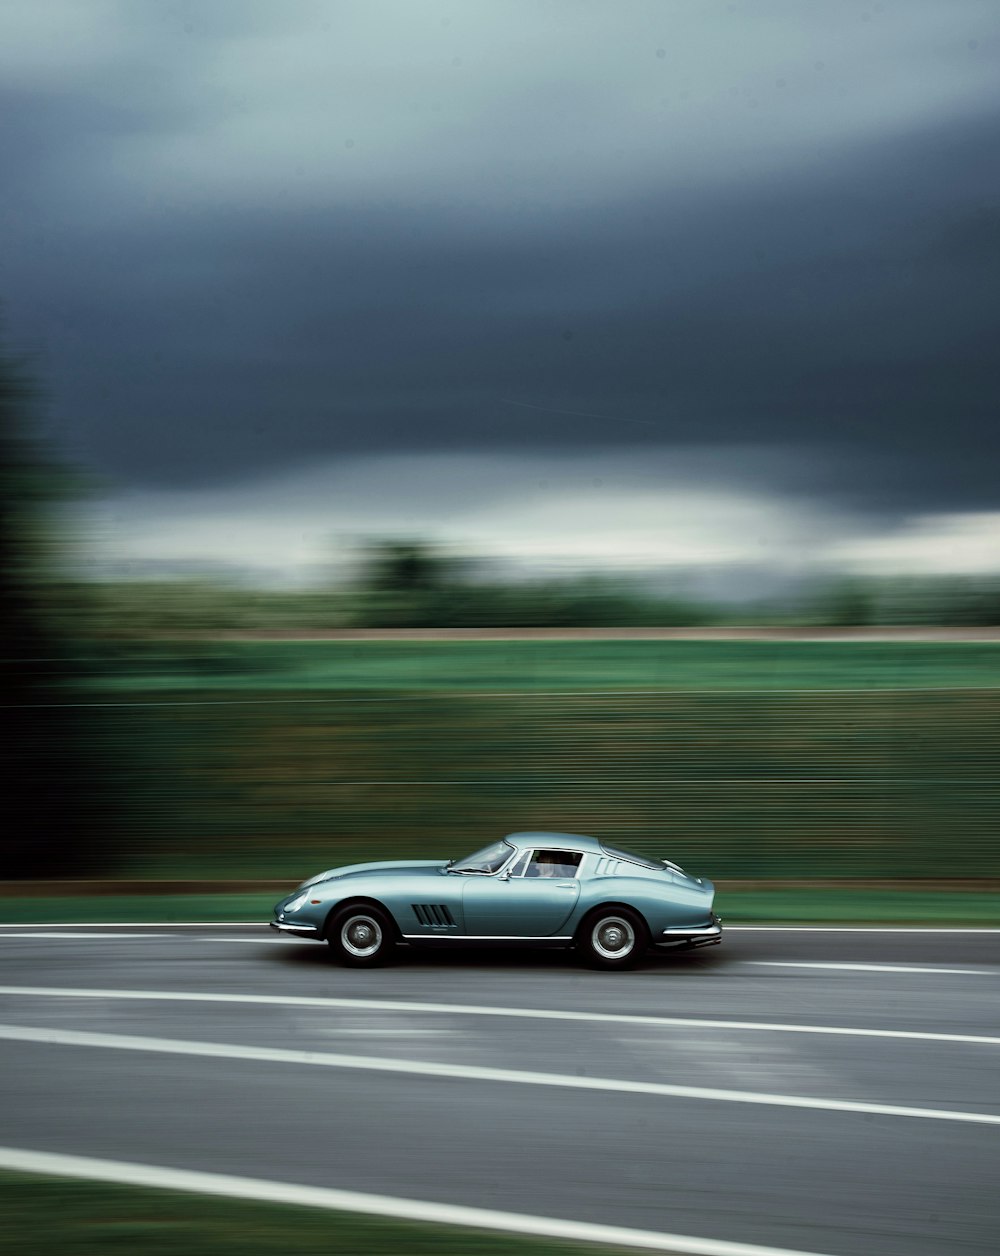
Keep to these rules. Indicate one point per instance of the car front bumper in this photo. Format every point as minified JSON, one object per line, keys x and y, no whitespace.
{"x":302,"y":931}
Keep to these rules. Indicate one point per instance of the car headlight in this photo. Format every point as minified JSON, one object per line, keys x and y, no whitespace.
{"x":296,"y":902}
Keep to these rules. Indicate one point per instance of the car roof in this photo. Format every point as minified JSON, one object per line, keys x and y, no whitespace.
{"x":558,"y":841}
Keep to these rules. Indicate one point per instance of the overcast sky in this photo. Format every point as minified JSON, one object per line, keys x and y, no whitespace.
{"x":674,"y":282}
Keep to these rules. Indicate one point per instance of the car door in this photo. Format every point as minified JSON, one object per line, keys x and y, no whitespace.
{"x":533,"y":901}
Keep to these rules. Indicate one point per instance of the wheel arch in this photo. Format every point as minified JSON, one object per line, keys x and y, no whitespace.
{"x":611,"y":904}
{"x":359,"y":900}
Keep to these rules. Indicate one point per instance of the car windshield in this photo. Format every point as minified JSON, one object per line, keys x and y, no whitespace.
{"x":490,"y":859}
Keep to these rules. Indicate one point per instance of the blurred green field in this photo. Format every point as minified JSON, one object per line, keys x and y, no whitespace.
{"x":529,"y":665}
{"x":737,"y":759}
{"x":42,"y":1215}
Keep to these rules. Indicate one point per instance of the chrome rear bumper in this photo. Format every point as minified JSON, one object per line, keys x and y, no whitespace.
{"x":699,"y":935}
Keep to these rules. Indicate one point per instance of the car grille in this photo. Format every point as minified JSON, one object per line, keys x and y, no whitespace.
{"x":433,"y":914}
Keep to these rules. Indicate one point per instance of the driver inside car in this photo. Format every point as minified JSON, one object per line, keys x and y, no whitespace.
{"x":546,"y":865}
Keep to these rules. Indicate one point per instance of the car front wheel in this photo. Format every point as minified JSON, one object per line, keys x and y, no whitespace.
{"x":613,"y":937}
{"x":361,"y":936}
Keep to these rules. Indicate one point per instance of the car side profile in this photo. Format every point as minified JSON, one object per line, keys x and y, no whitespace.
{"x":527,"y":889}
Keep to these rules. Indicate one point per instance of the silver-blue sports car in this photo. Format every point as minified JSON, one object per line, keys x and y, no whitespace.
{"x":528,"y":889}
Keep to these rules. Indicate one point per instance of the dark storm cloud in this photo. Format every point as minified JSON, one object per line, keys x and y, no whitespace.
{"x":841,"y":300}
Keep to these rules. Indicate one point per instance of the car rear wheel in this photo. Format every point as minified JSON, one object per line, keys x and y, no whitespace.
{"x":613,"y":937}
{"x":361,"y":936}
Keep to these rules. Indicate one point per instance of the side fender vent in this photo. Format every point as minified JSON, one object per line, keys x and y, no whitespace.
{"x":433,"y":914}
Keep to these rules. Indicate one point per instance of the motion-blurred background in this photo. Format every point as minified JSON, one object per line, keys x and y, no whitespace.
{"x":346,"y":343}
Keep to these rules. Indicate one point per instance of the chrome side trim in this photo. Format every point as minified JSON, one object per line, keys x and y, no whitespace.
{"x":485,"y":937}
{"x":294,"y":928}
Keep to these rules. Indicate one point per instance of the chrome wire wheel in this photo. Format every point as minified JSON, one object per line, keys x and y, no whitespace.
{"x":361,"y":935}
{"x":613,"y":938}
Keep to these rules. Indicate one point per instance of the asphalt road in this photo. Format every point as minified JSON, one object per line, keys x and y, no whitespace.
{"x":708,"y":1149}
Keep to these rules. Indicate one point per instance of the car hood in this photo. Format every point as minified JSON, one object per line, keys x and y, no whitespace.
{"x":413,"y":867}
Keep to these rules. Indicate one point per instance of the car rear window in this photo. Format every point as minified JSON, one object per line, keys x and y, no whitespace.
{"x":643,"y":860}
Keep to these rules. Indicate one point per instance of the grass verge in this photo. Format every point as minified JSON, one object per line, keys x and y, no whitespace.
{"x":860,"y":907}
{"x":41,"y":1215}
{"x":758,"y":906}
{"x":138,"y":909}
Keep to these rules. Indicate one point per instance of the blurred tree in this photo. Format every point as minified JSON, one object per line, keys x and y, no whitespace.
{"x":403,"y":583}
{"x":409,"y":584}
{"x":404,"y":567}
{"x":50,"y":797}
{"x":847,"y":603}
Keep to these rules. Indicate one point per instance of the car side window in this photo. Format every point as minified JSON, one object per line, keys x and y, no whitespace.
{"x":553,"y":863}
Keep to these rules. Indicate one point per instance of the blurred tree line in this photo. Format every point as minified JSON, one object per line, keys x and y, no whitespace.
{"x":52,"y":794}
{"x":410,"y":584}
{"x":954,"y":601}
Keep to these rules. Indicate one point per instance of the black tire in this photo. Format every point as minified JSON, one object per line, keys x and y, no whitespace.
{"x":362,"y":936}
{"x":612,"y":937}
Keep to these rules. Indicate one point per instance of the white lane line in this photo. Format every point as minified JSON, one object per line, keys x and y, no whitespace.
{"x":470,"y":1072}
{"x":161,"y":1177}
{"x":472,"y":1009}
{"x":869,"y":968}
{"x":90,"y":936}
{"x":925,"y":930}
{"x":141,"y":924}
